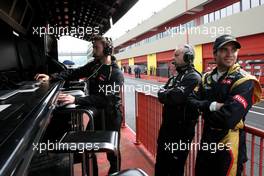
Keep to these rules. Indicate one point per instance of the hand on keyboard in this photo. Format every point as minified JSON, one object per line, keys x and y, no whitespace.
{"x":66,"y":99}
{"x":42,"y":77}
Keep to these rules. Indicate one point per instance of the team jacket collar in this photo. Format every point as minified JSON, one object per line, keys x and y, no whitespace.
{"x":231,"y":70}
{"x":184,"y":68}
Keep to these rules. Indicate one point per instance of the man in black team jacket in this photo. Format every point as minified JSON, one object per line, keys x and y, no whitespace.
{"x":105,"y":81}
{"x":179,"y":120}
{"x":225,"y":97}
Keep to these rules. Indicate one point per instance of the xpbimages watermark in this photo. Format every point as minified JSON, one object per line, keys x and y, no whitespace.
{"x":115,"y":88}
{"x":59,"y":146}
{"x":182,"y":146}
{"x":65,"y":30}
{"x":212,"y":31}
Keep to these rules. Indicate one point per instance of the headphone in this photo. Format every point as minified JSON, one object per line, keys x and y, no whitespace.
{"x":108,"y":46}
{"x":188,"y":56}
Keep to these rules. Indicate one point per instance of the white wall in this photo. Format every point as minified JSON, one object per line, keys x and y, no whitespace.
{"x":240,"y":24}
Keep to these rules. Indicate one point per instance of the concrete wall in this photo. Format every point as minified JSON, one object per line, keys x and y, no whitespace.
{"x":240,"y":24}
{"x":163,"y":44}
{"x":174,"y":10}
{"x":249,"y":21}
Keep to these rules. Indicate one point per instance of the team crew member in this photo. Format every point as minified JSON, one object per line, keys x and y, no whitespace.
{"x":105,"y":81}
{"x":225,"y":97}
{"x":178,"y":119}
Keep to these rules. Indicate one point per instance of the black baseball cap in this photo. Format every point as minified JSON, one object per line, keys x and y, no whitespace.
{"x":224,"y":39}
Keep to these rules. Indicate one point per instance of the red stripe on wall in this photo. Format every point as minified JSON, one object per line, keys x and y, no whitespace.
{"x":140,"y":59}
{"x":252,"y":45}
{"x":165,"y":56}
{"x":207,"y":50}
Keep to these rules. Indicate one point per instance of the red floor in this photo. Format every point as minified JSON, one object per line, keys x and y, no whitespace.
{"x":132,"y":156}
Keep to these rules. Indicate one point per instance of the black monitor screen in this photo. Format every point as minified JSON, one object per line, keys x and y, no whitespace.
{"x":51,"y":46}
{"x":8,"y":54}
{"x":24,"y":53}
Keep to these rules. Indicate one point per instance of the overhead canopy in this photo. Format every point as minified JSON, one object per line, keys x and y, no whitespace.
{"x":95,"y":15}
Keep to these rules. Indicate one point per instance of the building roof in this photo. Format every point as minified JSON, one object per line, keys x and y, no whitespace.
{"x":172,"y":11}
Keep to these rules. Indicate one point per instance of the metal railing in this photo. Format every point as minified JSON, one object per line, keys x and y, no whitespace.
{"x":148,"y":121}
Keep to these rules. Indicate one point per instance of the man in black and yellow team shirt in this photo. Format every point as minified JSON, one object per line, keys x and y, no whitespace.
{"x":225,"y":97}
{"x":105,"y":82}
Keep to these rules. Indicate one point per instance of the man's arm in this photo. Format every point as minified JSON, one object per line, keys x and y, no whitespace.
{"x":179,"y":94}
{"x":84,"y":71}
{"x":98,"y":101}
{"x":196,"y":100}
{"x":235,"y":108}
{"x":106,"y":95}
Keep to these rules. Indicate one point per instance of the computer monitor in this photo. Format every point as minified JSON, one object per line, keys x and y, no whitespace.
{"x":51,"y":46}
{"x":8,"y":53}
{"x":24,"y":53}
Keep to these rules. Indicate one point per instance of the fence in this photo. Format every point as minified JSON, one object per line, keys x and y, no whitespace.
{"x":148,"y":121}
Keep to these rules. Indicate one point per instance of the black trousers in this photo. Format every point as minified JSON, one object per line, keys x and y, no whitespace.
{"x":168,"y":164}
{"x":173,"y":149}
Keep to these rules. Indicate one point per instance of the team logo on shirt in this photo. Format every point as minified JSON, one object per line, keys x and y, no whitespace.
{"x":101,"y":77}
{"x":241,"y":100}
{"x":226,"y":81}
